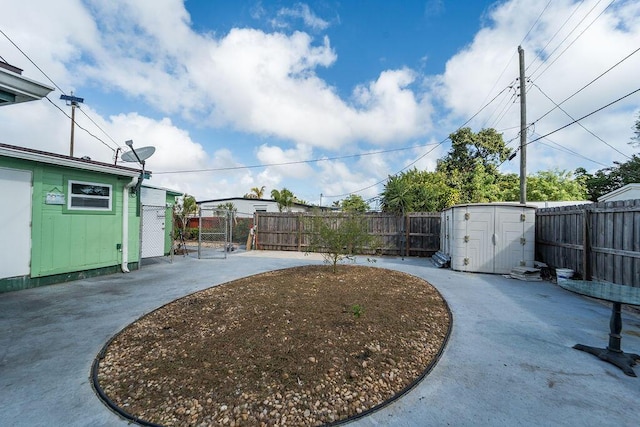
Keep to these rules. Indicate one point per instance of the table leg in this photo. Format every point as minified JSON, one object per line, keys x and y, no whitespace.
{"x":613,"y":353}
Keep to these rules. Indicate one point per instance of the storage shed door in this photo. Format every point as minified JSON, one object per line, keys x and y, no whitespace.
{"x":509,"y":249}
{"x":515,"y":238}
{"x":480,"y":245}
{"x":15,"y":217}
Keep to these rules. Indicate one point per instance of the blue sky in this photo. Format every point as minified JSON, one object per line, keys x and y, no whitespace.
{"x":225,"y":91}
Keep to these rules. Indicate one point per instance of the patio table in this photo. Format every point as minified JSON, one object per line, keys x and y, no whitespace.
{"x":618,"y":295}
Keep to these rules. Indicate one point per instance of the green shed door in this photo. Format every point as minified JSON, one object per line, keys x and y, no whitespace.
{"x":15,"y":217}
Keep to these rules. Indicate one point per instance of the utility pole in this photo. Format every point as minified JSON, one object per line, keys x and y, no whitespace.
{"x":523,"y":130}
{"x":74,"y":102}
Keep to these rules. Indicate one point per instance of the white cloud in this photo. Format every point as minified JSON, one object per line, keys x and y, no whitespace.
{"x":300,"y":11}
{"x":267,"y":85}
{"x":269,"y":154}
{"x":599,"y":44}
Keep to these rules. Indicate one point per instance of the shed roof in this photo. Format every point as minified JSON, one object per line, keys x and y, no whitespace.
{"x":633,"y":190}
{"x":66,"y":161}
{"x":230,"y":199}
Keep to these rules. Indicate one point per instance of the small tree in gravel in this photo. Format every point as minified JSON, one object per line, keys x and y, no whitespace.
{"x":339,"y":237}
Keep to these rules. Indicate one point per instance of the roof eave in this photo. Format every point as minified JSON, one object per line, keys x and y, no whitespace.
{"x":65,"y":161}
{"x":22,"y":88}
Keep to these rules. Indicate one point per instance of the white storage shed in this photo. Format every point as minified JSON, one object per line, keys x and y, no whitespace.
{"x":489,"y":237}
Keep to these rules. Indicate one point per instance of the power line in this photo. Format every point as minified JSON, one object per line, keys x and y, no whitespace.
{"x":499,"y":106}
{"x":30,"y":60}
{"x":506,"y":66}
{"x":589,"y":84}
{"x":294,"y":162}
{"x":574,"y":40}
{"x":560,"y":147}
{"x":385,"y":179}
{"x":566,"y":21}
{"x":585,"y":116}
{"x":569,"y":124}
{"x":425,"y":154}
{"x":98,"y":126}
{"x":84,"y":129}
{"x":579,"y":124}
{"x":63,"y":92}
{"x":536,"y":21}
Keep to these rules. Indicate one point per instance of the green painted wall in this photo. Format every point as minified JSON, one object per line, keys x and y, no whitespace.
{"x":66,"y":241}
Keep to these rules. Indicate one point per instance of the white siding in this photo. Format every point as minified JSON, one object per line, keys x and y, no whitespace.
{"x":15,"y":217}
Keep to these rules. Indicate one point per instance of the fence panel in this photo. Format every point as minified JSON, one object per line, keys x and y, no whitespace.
{"x":215,"y":230}
{"x":600,"y":241}
{"x":284,"y":231}
{"x":423,"y":233}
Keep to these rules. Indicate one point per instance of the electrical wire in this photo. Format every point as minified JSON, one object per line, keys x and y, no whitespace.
{"x":30,"y":60}
{"x":562,"y":148}
{"x":102,"y":130}
{"x":506,"y":66}
{"x":588,"y":84}
{"x":500,"y":106}
{"x":387,"y":178}
{"x":566,"y":21}
{"x":574,"y":40}
{"x":81,"y":127}
{"x":294,"y":162}
{"x":63,"y":92}
{"x":578,"y":123}
{"x":425,"y":154}
{"x":585,"y":116}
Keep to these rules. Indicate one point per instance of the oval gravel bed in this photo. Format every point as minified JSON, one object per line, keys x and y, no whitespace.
{"x":300,"y":346}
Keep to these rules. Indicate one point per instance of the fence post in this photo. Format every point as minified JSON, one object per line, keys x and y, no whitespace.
{"x":299,"y":231}
{"x":199,"y":230}
{"x":407,"y":222}
{"x":586,"y":244}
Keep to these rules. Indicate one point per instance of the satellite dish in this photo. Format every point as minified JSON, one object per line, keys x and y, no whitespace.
{"x":143,"y":154}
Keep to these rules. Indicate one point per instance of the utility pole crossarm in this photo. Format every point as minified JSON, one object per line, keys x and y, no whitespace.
{"x":74,"y":102}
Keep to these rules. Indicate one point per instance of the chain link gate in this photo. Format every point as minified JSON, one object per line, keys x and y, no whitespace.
{"x":153,"y":233}
{"x":215,"y":233}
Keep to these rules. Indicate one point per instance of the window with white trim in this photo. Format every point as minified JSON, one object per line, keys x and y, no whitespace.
{"x":89,"y":196}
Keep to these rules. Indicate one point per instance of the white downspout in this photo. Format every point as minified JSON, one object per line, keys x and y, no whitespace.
{"x":125,"y":224}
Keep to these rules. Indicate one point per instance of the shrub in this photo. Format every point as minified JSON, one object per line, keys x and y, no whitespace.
{"x":339,"y":237}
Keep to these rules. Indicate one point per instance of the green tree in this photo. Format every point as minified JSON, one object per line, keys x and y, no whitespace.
{"x":228,"y":207}
{"x":468,"y":149}
{"x":340,"y":236}
{"x":183,"y":209}
{"x":284,"y":198}
{"x":354,"y":203}
{"x":255,"y":193}
{"x":471,"y":166}
{"x":554,"y":185}
{"x":418,"y":191}
{"x":608,"y":179}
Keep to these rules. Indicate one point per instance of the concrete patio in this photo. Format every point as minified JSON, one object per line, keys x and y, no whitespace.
{"x":509,"y":360}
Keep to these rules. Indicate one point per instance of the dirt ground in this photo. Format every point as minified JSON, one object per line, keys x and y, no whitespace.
{"x":301,"y":346}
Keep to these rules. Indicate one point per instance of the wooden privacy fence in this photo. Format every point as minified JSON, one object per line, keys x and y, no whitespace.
{"x":599,"y":241}
{"x":415,"y":234}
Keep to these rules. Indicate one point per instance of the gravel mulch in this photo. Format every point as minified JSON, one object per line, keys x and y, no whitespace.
{"x":301,"y":346}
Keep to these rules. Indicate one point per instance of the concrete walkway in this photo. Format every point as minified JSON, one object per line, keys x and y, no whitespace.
{"x":508,"y":362}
